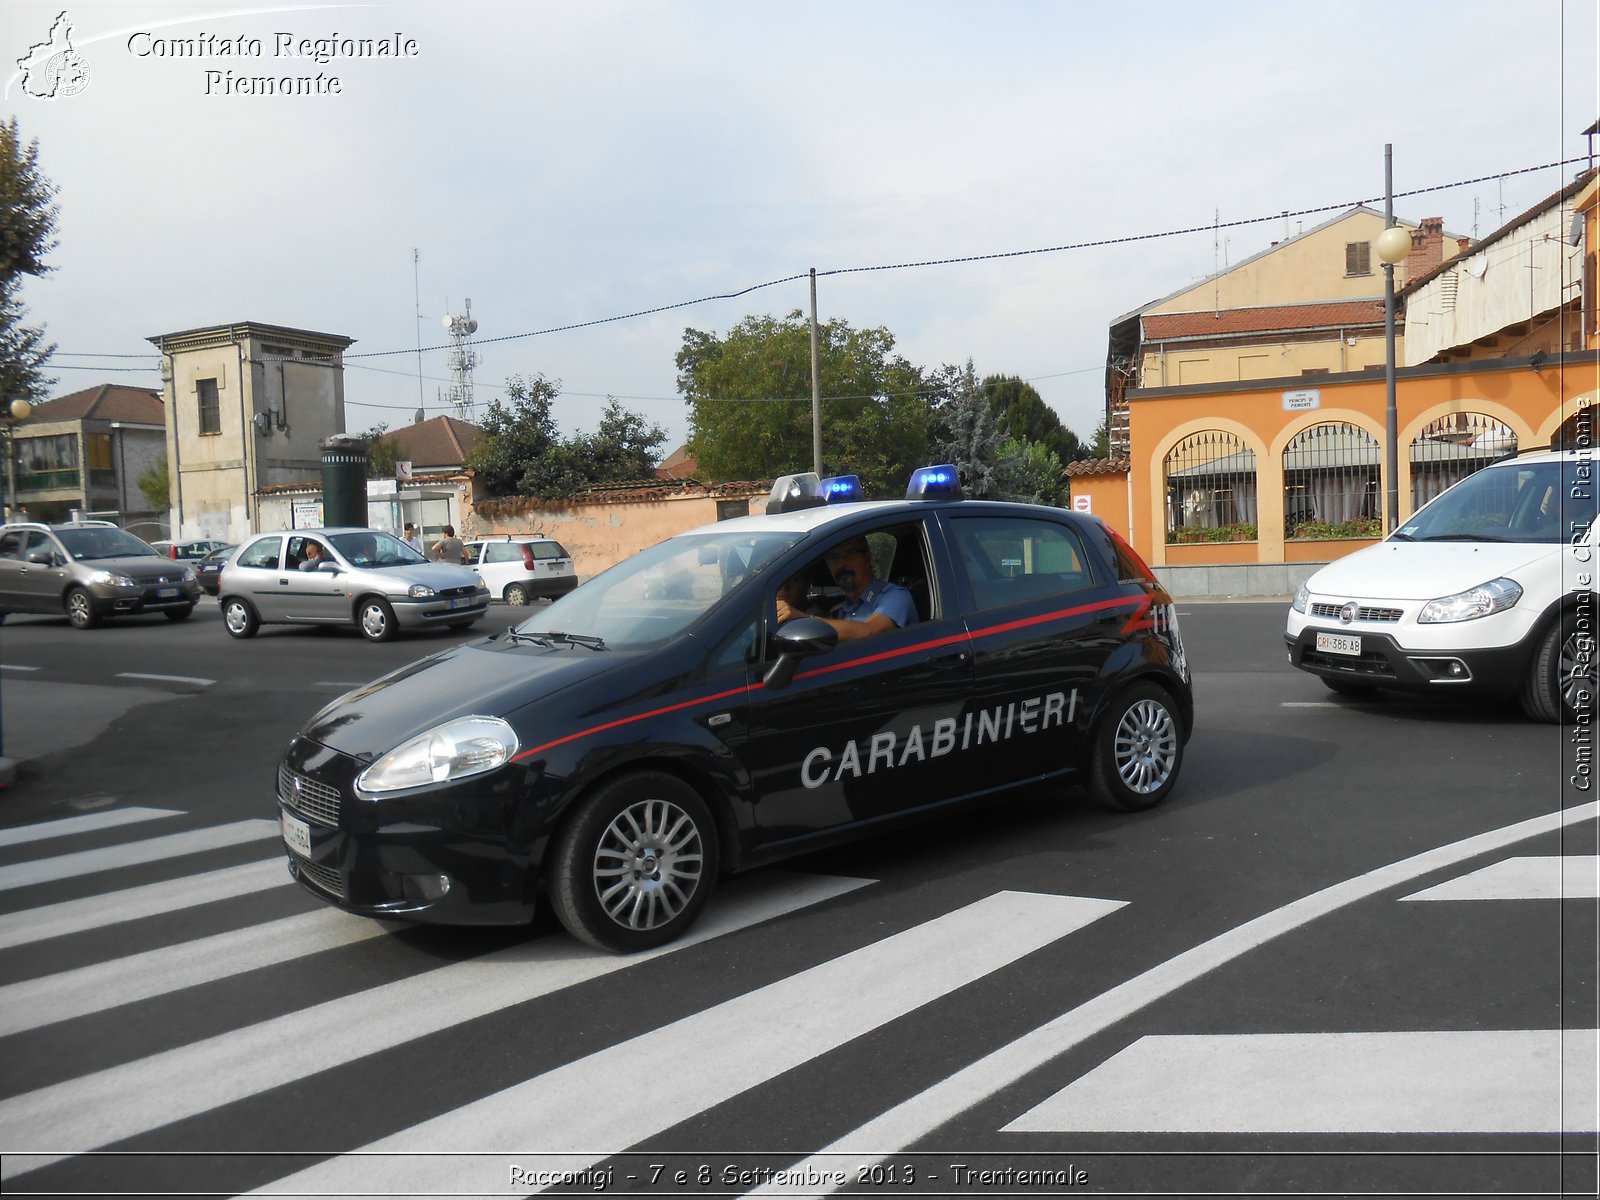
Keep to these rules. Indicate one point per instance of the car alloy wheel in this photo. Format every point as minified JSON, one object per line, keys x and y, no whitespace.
{"x":1561,"y":679}
{"x":80,"y":609}
{"x":1138,"y":750}
{"x":636,"y":865}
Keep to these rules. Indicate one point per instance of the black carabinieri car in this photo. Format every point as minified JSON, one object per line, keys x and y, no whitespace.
{"x":615,"y":753}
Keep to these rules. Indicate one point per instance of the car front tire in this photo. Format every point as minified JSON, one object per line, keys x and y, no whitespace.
{"x":636,"y":865}
{"x":1138,"y":749}
{"x":239,"y":618}
{"x":1561,"y":678}
{"x":375,"y":619}
{"x":80,"y":609}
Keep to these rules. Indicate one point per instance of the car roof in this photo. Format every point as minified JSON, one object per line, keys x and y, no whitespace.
{"x":808,"y":520}
{"x":328,"y":531}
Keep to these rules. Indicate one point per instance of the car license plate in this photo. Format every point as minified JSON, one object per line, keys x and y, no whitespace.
{"x":296,"y":834}
{"x":554,"y":566}
{"x":461,"y":602}
{"x":166,"y":591}
{"x":1338,"y":643}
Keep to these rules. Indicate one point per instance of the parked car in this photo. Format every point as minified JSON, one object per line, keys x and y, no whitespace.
{"x":668,"y":721}
{"x":89,"y":570}
{"x":208,"y":570}
{"x":522,"y":569}
{"x":186,"y":551}
{"x":366,"y":578}
{"x":1488,"y":588}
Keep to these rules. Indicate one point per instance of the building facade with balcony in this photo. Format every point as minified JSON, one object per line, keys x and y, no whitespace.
{"x":84,"y":454}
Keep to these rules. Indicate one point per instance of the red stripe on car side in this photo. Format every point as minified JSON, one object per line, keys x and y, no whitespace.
{"x":1140,"y":603}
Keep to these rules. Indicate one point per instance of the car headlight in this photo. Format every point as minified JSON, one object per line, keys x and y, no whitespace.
{"x":1301,"y":599}
{"x":188,"y":575}
{"x":454,"y":751}
{"x":419,"y":591}
{"x":112,"y":579}
{"x":1495,"y":596}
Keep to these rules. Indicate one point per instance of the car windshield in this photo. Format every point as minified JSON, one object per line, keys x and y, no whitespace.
{"x":646,"y":599}
{"x":370,"y":548}
{"x":1539,"y":502}
{"x":105,"y":542}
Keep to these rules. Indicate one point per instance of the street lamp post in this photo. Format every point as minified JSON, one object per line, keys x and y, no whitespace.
{"x":1393,"y":245}
{"x":15,"y":412}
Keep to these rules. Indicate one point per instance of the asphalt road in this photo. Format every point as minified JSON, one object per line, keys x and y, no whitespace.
{"x":1353,"y":954}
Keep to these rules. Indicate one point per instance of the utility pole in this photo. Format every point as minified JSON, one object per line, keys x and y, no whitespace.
{"x":816,"y":385}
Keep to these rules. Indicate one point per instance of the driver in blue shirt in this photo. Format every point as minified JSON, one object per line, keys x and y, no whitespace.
{"x":871,"y":605}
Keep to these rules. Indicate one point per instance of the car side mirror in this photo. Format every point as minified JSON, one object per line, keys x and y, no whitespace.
{"x":44,"y":556}
{"x":328,"y":565}
{"x":804,"y":637}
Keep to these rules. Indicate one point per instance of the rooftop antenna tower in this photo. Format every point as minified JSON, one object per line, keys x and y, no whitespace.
{"x":416,"y":299}
{"x":461,"y":361}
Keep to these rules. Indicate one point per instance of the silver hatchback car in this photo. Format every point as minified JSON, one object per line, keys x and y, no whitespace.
{"x":344,"y":576}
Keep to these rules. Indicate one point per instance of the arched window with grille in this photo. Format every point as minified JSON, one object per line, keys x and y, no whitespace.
{"x":1330,"y":483}
{"x":1449,"y":449}
{"x":1211,"y":489}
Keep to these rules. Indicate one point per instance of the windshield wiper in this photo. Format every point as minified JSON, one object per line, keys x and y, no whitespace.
{"x":576,"y":639}
{"x":538,"y":639}
{"x":1462,"y":537}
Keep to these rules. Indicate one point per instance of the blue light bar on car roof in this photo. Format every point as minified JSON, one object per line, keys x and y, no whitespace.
{"x":841,"y":489}
{"x":935,"y":483}
{"x":791,"y":493}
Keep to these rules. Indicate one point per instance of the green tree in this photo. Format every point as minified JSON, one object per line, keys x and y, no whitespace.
{"x":967,"y":433}
{"x":749,"y":402}
{"x":522,"y":453}
{"x":155,"y":485}
{"x":382,"y":456}
{"x":1101,"y":446}
{"x":1025,"y":416}
{"x":1036,"y":474}
{"x":517,"y":436}
{"x":28,"y":215}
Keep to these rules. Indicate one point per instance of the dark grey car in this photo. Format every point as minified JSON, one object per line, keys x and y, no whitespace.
{"x":89,"y":570}
{"x":344,"y":576}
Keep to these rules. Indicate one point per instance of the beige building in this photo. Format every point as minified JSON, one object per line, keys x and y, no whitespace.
{"x":1309,"y":305}
{"x":246,"y":407}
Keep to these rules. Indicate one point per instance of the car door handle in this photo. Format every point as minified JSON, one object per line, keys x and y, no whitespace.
{"x":947,"y":662}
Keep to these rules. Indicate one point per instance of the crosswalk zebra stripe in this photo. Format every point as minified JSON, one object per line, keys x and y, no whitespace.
{"x":120,"y":1102}
{"x":920,"y":1115}
{"x":1549,"y":877}
{"x":1446,"y":1081}
{"x":34,"y":1003}
{"x":132,"y":904}
{"x":792,"y":1021}
{"x":89,"y":862}
{"x":87,"y":823}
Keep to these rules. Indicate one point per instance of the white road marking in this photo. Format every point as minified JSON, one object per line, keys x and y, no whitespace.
{"x":1572,"y":877}
{"x":131,"y":904}
{"x":923,"y":1113}
{"x":1478,"y":1081}
{"x":166,"y":678}
{"x":1308,"y":704}
{"x":35,"y":1003}
{"x":16,"y":667}
{"x":89,"y":862}
{"x":122,"y":1102}
{"x":706,"y":1059}
{"x":67,"y":826}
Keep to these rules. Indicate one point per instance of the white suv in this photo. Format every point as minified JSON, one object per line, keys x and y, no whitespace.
{"x":520,"y":570}
{"x":1490,"y":587}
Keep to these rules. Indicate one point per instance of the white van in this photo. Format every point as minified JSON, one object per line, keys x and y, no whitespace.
{"x":1490,"y":587}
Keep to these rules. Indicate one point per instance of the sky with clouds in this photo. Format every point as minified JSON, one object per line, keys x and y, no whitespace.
{"x":564,"y":163}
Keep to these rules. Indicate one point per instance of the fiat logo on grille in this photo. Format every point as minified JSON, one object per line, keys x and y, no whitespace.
{"x":1348,"y":613}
